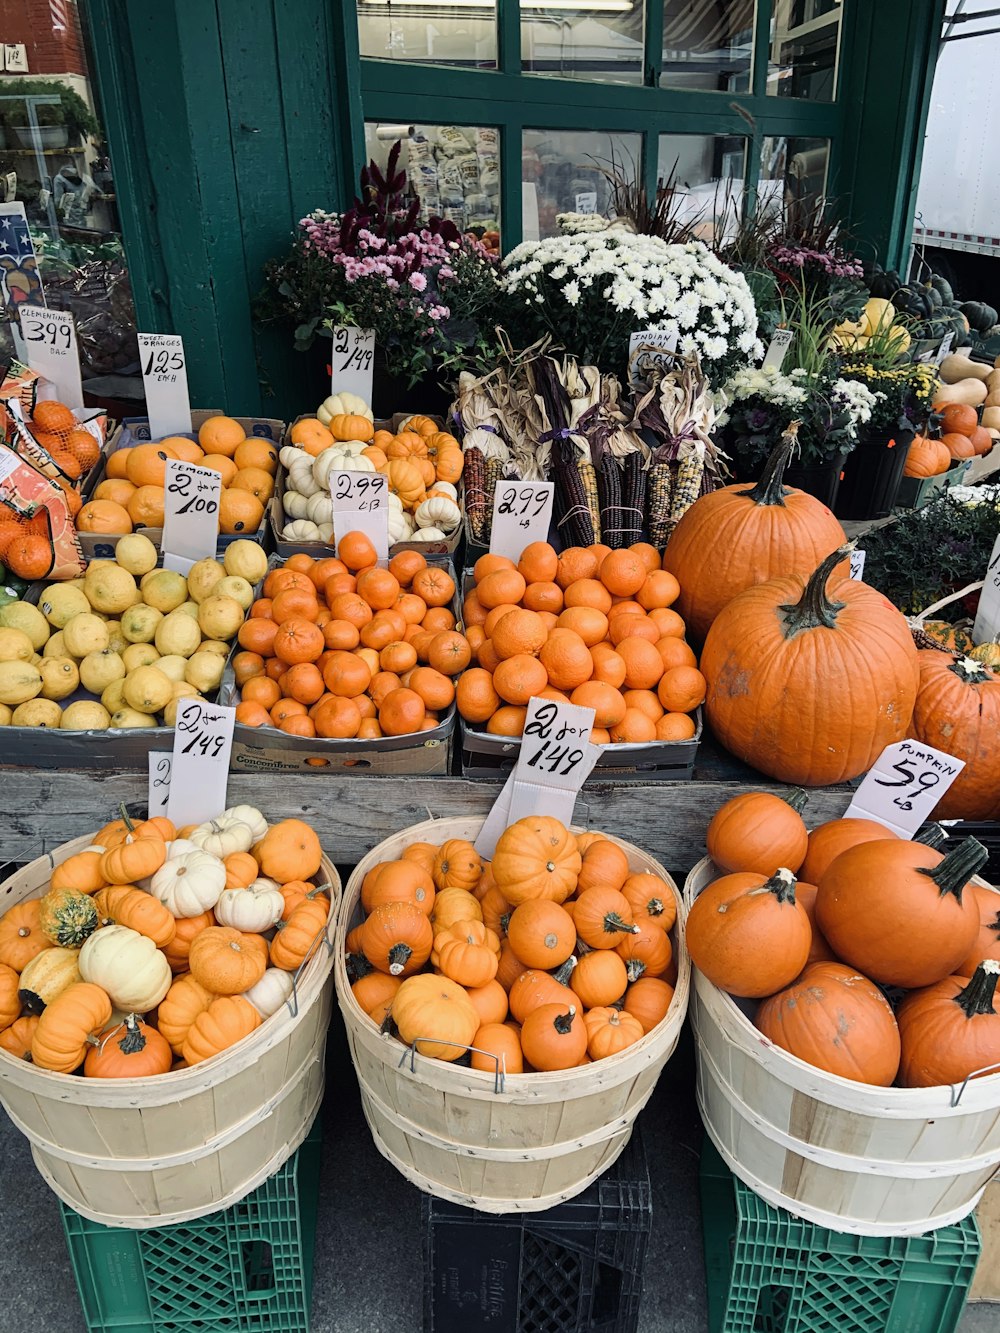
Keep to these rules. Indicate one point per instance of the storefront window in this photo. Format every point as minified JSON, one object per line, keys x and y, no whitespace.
{"x":805,"y":45}
{"x":431,"y":32}
{"x":793,"y":176}
{"x":54,"y":166}
{"x":563,"y":171}
{"x":600,"y":40}
{"x":708,"y":46}
{"x":454,"y":170}
{"x":707,"y":174}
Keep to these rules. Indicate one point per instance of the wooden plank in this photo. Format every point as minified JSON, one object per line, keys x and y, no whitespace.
{"x":42,"y":810}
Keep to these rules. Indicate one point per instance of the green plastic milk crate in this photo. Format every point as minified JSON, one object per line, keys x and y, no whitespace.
{"x":770,"y":1272}
{"x":245,"y":1270}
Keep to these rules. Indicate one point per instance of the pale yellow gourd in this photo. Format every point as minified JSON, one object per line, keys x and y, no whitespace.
{"x":955,"y":368}
{"x":969,"y":391}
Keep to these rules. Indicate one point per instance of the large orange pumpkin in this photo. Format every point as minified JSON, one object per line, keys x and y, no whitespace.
{"x":810,"y":686}
{"x":738,"y":536}
{"x":951,"y":1031}
{"x":828,"y":840}
{"x":926,"y":457}
{"x":987,"y":943}
{"x":759,"y":831}
{"x":958,"y":711}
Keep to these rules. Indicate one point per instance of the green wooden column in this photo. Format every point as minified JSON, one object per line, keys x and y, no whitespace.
{"x":227,"y":120}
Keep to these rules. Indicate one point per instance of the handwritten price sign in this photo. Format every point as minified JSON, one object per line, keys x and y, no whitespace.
{"x":191,"y":514}
{"x":987,"y":624}
{"x":858,"y":564}
{"x":522,"y":512}
{"x":777,"y":347}
{"x":203,"y":739}
{"x":352,"y":361}
{"x":361,"y":504}
{"x":164,"y":380}
{"x":160,"y":762}
{"x":50,"y":339}
{"x":904,"y":785}
{"x":650,"y":350}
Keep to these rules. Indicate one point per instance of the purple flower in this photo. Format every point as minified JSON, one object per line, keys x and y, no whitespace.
{"x":418,"y":282}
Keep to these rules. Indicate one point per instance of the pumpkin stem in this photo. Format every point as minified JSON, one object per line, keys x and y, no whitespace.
{"x":358,"y":966}
{"x":814,"y":608}
{"x":133,"y":1040}
{"x":634,"y":968}
{"x":796,"y":798}
{"x":613,"y":924}
{"x":563,"y":1023}
{"x":399,"y":956}
{"x":770,"y":489}
{"x":563,"y":973}
{"x":125,"y":818}
{"x":932,"y":835}
{"x":781,"y":884}
{"x":971,"y":672}
{"x":954,"y":871}
{"x":977,"y":998}
{"x":654,"y":907}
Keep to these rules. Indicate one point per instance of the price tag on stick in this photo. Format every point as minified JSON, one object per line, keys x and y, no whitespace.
{"x":352,"y":360}
{"x":987,"y":624}
{"x":522,"y":513}
{"x":904,"y":785}
{"x":191,"y":514}
{"x":203,"y":740}
{"x":164,"y":381}
{"x":159,"y":782}
{"x":778,"y":346}
{"x":858,"y":564}
{"x":50,"y":339}
{"x":651,"y":350}
{"x":361,"y":504}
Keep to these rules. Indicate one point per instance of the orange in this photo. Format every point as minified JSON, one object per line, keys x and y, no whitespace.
{"x":600,"y":736}
{"x":588,"y":592}
{"x":543,"y":597}
{"x":382,"y":682}
{"x":321,"y":570}
{"x":504,"y":586}
{"x":605,"y":700}
{"x":600,"y":550}
{"x":103,"y":516}
{"x":356,"y":551}
{"x":551,"y":693}
{"x":518,"y":632}
{"x":298,"y":640}
{"x":566,"y":659}
{"x":659,"y":588}
{"x":675,"y":727}
{"x":275,"y":667}
{"x":587,"y":621}
{"x":629,"y":626}
{"x":435,"y":586}
{"x":675,"y":652}
{"x":304,"y":683}
{"x":576,"y":562}
{"x":29,"y":555}
{"x":379,"y":588}
{"x":297,"y":726}
{"x":438,"y":618}
{"x":646,"y":702}
{"x":648,"y":554}
{"x":369,"y":729}
{"x":252,"y":715}
{"x":643,"y":667}
{"x":239,"y":511}
{"x":384,"y":628}
{"x":285,"y":708}
{"x":538,"y":563}
{"x":476,"y":698}
{"x":622,"y":606}
{"x":549,"y":619}
{"x":401,"y":713}
{"x":221,"y":435}
{"x":507,"y":721}
{"x":449,"y":652}
{"x":117,"y":463}
{"x":279,"y":579}
{"x":49,"y":414}
{"x":145,"y":507}
{"x":147,"y":464}
{"x":66,"y":461}
{"x":350,"y":607}
{"x":436,"y":689}
{"x":518,"y":678}
{"x":411,"y":607}
{"x":184,"y":448}
{"x":486,"y":656}
{"x":420,"y":638}
{"x":337,"y":584}
{"x":256,"y":481}
{"x":261,"y":690}
{"x":225,"y":467}
{"x":489,"y":564}
{"x":474,"y":636}
{"x":337,"y":718}
{"x":682,"y":689}
{"x":246,"y":666}
{"x":473,"y":611}
{"x":365,"y":706}
{"x":257,"y":453}
{"x":635,"y":728}
{"x":299,"y":563}
{"x":496,"y":615}
{"x":85,"y":447}
{"x":117,"y":489}
{"x":257,"y":635}
{"x":623,"y":572}
{"x":405,"y":565}
{"x":341,"y":634}
{"x":669,"y":623}
{"x":608,"y":666}
{"x":294,"y":602}
{"x":346,"y":675}
{"x":398,"y":656}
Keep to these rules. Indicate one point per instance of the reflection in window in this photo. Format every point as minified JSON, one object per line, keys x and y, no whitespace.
{"x":562,"y":171}
{"x":453,"y":169}
{"x":708,"y":44}
{"x":707,"y":173}
{"x":54,"y":163}
{"x":805,"y":42}
{"x":599,"y":40}
{"x":429,"y":32}
{"x":793,"y":177}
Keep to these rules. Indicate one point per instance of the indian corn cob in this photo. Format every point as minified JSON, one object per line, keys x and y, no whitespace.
{"x":633,"y":492}
{"x":609,"y":478}
{"x":687,"y":487}
{"x":474,"y":485}
{"x":659,"y":489}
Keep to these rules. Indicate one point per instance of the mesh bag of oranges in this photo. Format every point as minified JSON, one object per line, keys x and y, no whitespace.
{"x":339,"y":648}
{"x":37,"y":536}
{"x":589,"y":626}
{"x":131,"y":493}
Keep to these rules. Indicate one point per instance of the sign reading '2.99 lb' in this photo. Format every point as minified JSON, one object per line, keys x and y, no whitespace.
{"x":522,"y":512}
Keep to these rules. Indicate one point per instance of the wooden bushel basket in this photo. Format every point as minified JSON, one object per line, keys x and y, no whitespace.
{"x":522,"y":1143}
{"x":148,"y":1152}
{"x":870,"y":1161}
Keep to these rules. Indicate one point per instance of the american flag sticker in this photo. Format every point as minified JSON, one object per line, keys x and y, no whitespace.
{"x":19,"y":279}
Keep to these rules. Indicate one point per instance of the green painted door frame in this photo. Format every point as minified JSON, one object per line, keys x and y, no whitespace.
{"x":229,"y":119}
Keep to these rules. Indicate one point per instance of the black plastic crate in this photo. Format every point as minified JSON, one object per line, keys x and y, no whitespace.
{"x":576,"y":1268}
{"x":988,"y":833}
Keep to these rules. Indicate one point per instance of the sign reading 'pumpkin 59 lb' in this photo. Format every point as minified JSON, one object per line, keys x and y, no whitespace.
{"x":191,"y":501}
{"x":522,"y":512}
{"x":199,"y":771}
{"x":904,"y":785}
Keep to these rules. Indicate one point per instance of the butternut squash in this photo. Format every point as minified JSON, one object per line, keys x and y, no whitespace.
{"x":969,"y":391}
{"x":955,"y":368}
{"x":991,"y":418}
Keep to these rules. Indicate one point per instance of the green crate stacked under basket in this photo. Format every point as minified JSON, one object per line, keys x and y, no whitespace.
{"x":245,"y":1270}
{"x":770,"y":1272}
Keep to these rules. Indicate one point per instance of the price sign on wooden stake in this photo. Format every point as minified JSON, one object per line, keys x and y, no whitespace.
{"x":858,"y":564}
{"x":352,"y":361}
{"x":777,"y":347}
{"x":651,"y":350}
{"x":164,"y":381}
{"x":904,"y":785}
{"x":191,"y":501}
{"x":522,"y":512}
{"x":361,"y":504}
{"x":159,"y":782}
{"x":987,"y":624}
{"x":50,"y":339}
{"x":199,"y":774}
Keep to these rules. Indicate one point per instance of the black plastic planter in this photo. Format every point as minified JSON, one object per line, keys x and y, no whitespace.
{"x":823,"y":482}
{"x":871,"y":475}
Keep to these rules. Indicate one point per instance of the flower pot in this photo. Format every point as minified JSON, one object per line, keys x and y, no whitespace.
{"x":822,"y":482}
{"x":871,"y":475}
{"x":41,"y":136}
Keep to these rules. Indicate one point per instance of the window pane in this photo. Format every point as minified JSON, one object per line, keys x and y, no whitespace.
{"x":793,"y":176}
{"x":54,"y":160}
{"x":561,"y":172}
{"x":707,"y":172}
{"x":454,"y":170}
{"x":708,"y":45}
{"x":600,"y":41}
{"x":426,"y":32}
{"x":805,"y":43}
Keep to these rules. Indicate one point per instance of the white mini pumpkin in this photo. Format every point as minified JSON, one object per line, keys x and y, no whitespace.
{"x":295,"y":504}
{"x":127,"y":965}
{"x":235,"y":830}
{"x":319,"y":508}
{"x":189,"y":884}
{"x":272,"y":991}
{"x":339,"y":459}
{"x":253,"y":909}
{"x":326,"y":532}
{"x":438,"y":512}
{"x":301,"y":530}
{"x":301,"y":479}
{"x":446,"y":488}
{"x":347,"y":403}
{"x":428,"y":535}
{"x":400,"y":527}
{"x":290,"y":454}
{"x":395,"y":502}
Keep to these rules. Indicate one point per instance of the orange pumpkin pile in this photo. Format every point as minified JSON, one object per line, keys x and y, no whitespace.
{"x":592,"y":627}
{"x":961,"y":436}
{"x":550,"y":956}
{"x":131,"y":494}
{"x":157,"y":948}
{"x":338,"y":648}
{"x":870,"y":911}
{"x":413,"y":458}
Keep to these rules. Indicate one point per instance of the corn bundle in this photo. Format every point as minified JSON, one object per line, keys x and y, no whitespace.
{"x":620,"y":461}
{"x":487,"y":456}
{"x":565,"y":394}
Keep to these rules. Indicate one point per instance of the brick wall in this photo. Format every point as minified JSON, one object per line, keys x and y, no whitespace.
{"x":50,"y":30}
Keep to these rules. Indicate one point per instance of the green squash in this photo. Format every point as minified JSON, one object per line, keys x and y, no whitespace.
{"x":67,"y":918}
{"x":943,"y":289}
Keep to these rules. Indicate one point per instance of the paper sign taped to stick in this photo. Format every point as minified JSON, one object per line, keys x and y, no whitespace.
{"x":203,"y":739}
{"x":776,"y":349}
{"x":361,"y":504}
{"x":352,"y":361}
{"x":50,"y":339}
{"x":522,"y":512}
{"x":164,"y":381}
{"x":651,"y":350}
{"x":191,"y":500}
{"x":904,"y":785}
{"x":858,"y":564}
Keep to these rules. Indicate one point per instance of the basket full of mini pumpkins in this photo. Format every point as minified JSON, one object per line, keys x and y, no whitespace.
{"x":164,"y":999}
{"x":846,"y":1013}
{"x":508,"y":1019}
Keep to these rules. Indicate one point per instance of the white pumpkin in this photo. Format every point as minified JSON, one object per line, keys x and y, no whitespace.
{"x":290,"y":454}
{"x":301,"y":530}
{"x":235,"y":830}
{"x":319,"y":509}
{"x":272,"y":991}
{"x":326,"y":532}
{"x":446,"y":488}
{"x":190,"y":884}
{"x":339,"y":459}
{"x":438,"y":512}
{"x":295,"y":504}
{"x":339,"y":403}
{"x":181,"y":847}
{"x":301,"y":479}
{"x":128,"y":966}
{"x":253,"y":909}
{"x":400,"y":527}
{"x":428,"y":535}
{"x":395,"y":502}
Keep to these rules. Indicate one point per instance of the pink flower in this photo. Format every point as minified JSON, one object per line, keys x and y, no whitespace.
{"x":418,"y":282}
